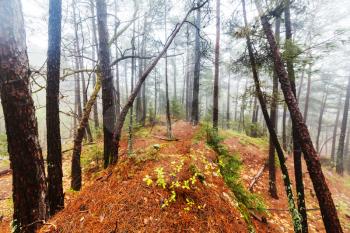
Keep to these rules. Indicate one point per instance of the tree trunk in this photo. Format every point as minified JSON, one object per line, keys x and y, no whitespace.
{"x":117,"y":88}
{"x":197,"y":64}
{"x":54,"y":150}
{"x":335,"y":130}
{"x":228,"y":114}
{"x":216,"y":71}
{"x":79,"y":135}
{"x":340,"y":152}
{"x":308,"y":91}
{"x":298,"y":172}
{"x":108,"y":105}
{"x":94,"y":52}
{"x":286,"y":180}
{"x":147,"y":71}
{"x":188,"y":89}
{"x":28,"y":173}
{"x":284,"y":128}
{"x":273,"y":115}
{"x":168,"y":118}
{"x":320,"y":119}
{"x":328,"y":210}
{"x":131,"y":112}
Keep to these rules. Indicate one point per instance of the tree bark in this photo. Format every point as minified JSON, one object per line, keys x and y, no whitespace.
{"x":328,"y":210}
{"x":108,"y":105}
{"x":94,"y":52}
{"x":197,"y":64}
{"x":286,"y":180}
{"x":216,"y":70}
{"x":335,"y":130}
{"x":76,"y":179}
{"x":228,"y":114}
{"x":308,"y":91}
{"x":30,"y":206}
{"x":340,"y":152}
{"x":54,"y":150}
{"x":298,"y":172}
{"x":273,"y":115}
{"x":167,"y":103}
{"x":320,"y":119}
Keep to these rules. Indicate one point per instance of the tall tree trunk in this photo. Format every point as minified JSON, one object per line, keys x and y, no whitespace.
{"x":117,"y":87}
{"x":108,"y":105}
{"x":188,"y":90}
{"x":197,"y":64}
{"x":131,"y":112}
{"x":328,"y":210}
{"x":301,"y":84}
{"x":147,"y":71}
{"x":284,"y":128}
{"x":340,"y":152}
{"x":286,"y":180}
{"x":79,"y":135}
{"x":236,"y":101}
{"x":335,"y":130}
{"x":320,"y":119}
{"x":94,"y":52}
{"x":273,"y":115}
{"x":54,"y":151}
{"x":30,"y":206}
{"x":298,"y":169}
{"x":216,"y":71}
{"x":228,"y":103}
{"x":167,"y":103}
{"x":308,"y":91}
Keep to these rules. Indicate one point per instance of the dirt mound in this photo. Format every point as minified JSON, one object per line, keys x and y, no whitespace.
{"x":167,"y":187}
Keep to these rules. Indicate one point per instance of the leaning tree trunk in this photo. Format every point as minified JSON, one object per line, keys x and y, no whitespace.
{"x":320,"y":120}
{"x":108,"y":106}
{"x":147,"y":71}
{"x":54,"y":150}
{"x":340,"y":152}
{"x":298,"y":171}
{"x":328,"y":210}
{"x":288,"y":187}
{"x":29,"y":188}
{"x":216,"y":71}
{"x":195,"y":96}
{"x":79,"y":135}
{"x":273,"y":115}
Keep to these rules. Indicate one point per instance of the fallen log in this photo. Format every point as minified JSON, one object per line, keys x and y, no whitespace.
{"x":5,"y":172}
{"x":166,"y":139}
{"x":256,"y":177}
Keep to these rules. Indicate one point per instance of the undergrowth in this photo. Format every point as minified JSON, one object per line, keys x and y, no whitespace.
{"x":230,"y":167}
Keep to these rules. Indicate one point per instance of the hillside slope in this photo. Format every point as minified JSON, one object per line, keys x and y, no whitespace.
{"x":194,"y":199}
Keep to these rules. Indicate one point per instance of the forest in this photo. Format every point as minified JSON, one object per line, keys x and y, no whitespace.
{"x":174,"y":116}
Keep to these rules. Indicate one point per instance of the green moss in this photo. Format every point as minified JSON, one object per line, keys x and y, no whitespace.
{"x":92,"y":153}
{"x":230,"y":167}
{"x":261,"y":142}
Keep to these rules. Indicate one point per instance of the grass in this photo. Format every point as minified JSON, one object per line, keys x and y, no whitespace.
{"x":261,"y":142}
{"x":230,"y":167}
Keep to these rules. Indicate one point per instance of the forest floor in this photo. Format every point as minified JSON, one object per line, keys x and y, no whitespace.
{"x":129,"y":197}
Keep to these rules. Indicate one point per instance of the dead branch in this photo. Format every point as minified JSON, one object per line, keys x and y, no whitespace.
{"x":257,"y":176}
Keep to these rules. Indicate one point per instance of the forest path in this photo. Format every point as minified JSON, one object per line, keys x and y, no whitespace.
{"x":120,"y":192}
